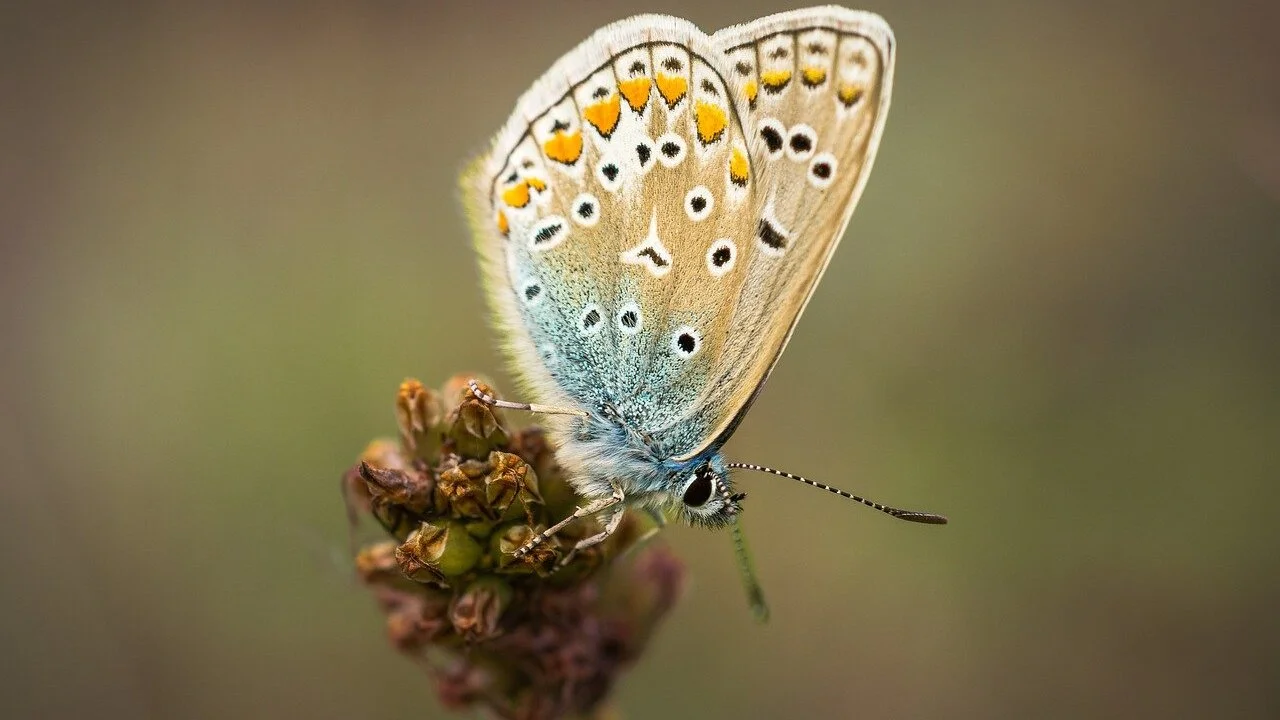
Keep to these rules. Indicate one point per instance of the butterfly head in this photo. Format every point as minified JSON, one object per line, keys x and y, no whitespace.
{"x":706,"y":497}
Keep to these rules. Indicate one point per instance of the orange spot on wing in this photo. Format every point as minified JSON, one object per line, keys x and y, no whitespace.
{"x":711,"y":121}
{"x":503,"y":226}
{"x":564,"y":147}
{"x":636,"y":91}
{"x":750,"y":89}
{"x":603,"y":115}
{"x":849,"y":94}
{"x":775,"y":80}
{"x":672,"y":88}
{"x":517,"y":196}
{"x":813,"y":76}
{"x":536,"y":184}
{"x":738,"y":168}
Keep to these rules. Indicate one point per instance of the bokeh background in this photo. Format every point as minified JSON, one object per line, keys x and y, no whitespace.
{"x":230,"y":230}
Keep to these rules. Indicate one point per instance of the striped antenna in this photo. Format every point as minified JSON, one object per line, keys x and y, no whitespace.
{"x":910,"y":515}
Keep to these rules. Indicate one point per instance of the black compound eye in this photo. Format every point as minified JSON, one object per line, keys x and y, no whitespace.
{"x":699,"y":491}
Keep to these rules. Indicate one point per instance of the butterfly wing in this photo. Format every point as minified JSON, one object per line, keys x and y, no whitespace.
{"x":817,"y":84}
{"x":597,"y":215}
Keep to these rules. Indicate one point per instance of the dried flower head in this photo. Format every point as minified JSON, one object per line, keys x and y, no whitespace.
{"x":543,"y":636}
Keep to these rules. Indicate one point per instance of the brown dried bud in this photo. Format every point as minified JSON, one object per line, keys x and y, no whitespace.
{"x":438,"y":550}
{"x":419,"y":414}
{"x":474,"y":427}
{"x":462,"y":486}
{"x":541,"y":559}
{"x":476,"y":612}
{"x":510,"y":481}
{"x":414,"y":618}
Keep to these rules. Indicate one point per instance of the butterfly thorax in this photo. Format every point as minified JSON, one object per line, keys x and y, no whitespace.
{"x":603,"y":453}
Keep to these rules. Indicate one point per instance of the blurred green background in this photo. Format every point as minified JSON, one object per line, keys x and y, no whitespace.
{"x":229,"y":232}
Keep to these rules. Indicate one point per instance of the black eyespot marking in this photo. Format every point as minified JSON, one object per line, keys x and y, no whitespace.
{"x":698,"y":203}
{"x":686,"y":343}
{"x":610,"y":171}
{"x":590,"y":319}
{"x":772,"y":138}
{"x":822,"y":170}
{"x":670,"y":149}
{"x":586,"y":210}
{"x":528,"y":163}
{"x":600,"y":92}
{"x":743,"y":68}
{"x":817,"y":48}
{"x":801,"y":143}
{"x":655,"y":258}
{"x":710,"y":87}
{"x":770,"y":235}
{"x":559,"y":125}
{"x":636,"y":68}
{"x":531,"y":292}
{"x":512,"y":178}
{"x":673,"y":65}
{"x":642,"y":152}
{"x":629,"y":318}
{"x":699,"y":491}
{"x":779,"y":53}
{"x":721,"y":256}
{"x":546,"y":233}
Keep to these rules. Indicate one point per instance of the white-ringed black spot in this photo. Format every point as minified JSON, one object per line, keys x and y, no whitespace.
{"x":629,"y":319}
{"x":643,"y":152}
{"x":586,"y":210}
{"x":699,"y":203}
{"x":609,"y":174}
{"x":672,"y":64}
{"x":686,"y":342}
{"x":636,"y":68}
{"x":801,"y":143}
{"x":600,"y":93}
{"x":532,"y":293}
{"x":721,"y":257}
{"x":771,"y":236}
{"x":822,"y":170}
{"x":671,"y":149}
{"x":771,"y":133}
{"x":548,"y":232}
{"x":591,"y":320}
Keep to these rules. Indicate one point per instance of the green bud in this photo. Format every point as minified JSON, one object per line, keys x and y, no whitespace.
{"x":438,"y":550}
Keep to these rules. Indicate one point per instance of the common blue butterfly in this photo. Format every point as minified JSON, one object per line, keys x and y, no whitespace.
{"x":651,"y":223}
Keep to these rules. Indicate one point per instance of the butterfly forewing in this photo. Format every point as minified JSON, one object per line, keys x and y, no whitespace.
{"x":817,"y":85}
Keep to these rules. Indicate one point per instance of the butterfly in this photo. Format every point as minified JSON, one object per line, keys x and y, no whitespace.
{"x":652,"y":221}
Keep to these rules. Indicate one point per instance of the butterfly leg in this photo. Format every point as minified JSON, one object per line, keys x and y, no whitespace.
{"x":610,"y":528}
{"x":590,"y":508}
{"x":490,"y":400}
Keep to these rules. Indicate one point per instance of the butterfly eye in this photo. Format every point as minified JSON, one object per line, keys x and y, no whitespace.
{"x":698,"y":491}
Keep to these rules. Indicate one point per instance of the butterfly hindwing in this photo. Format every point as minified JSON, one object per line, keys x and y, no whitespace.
{"x":610,"y":219}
